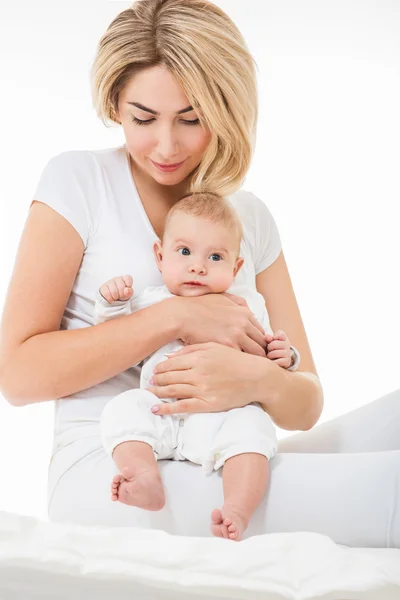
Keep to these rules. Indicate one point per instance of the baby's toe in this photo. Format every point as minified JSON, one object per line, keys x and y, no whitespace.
{"x":217,"y":527}
{"x":216,"y":516}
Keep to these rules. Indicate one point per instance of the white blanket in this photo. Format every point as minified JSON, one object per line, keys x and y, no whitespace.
{"x":40,"y":560}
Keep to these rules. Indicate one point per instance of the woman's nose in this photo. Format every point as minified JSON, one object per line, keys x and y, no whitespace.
{"x":168,"y":144}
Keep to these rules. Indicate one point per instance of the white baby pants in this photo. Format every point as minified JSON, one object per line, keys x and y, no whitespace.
{"x":207,"y":439}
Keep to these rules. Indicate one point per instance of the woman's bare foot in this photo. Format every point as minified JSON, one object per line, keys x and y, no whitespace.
{"x":138,"y":487}
{"x":229,"y":522}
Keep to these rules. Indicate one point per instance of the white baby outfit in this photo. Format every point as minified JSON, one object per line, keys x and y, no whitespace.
{"x":208,"y":439}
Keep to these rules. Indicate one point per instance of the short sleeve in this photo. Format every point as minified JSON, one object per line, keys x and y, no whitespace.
{"x":61,"y":187}
{"x":267,"y":241}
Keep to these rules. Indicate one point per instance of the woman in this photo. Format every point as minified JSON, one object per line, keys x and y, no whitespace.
{"x":179,"y":79}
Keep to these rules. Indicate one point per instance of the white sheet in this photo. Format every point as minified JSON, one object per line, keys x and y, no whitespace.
{"x":40,"y":560}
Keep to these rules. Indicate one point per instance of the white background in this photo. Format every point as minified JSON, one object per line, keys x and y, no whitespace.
{"x":327,"y":165}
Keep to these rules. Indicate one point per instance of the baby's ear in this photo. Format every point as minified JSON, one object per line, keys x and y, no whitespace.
{"x":238,"y":265}
{"x":158,"y":253}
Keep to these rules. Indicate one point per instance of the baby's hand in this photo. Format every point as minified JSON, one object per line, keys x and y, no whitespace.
{"x":118,"y":288}
{"x":279,"y":348}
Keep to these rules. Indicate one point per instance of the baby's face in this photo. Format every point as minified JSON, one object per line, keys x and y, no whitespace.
{"x":197,"y":257}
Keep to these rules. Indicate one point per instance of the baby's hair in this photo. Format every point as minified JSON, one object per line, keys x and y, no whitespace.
{"x":211,"y":207}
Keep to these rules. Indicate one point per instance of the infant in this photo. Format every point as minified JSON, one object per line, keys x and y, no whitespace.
{"x":199,"y":254}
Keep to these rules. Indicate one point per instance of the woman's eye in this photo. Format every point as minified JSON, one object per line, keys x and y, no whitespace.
{"x":139,"y":122}
{"x":216,"y":257}
{"x":184,"y":251}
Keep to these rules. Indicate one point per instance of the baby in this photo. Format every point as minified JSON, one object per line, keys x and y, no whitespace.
{"x":199,"y":254}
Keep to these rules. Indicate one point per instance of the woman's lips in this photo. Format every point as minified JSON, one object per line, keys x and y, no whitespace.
{"x":167,"y":167}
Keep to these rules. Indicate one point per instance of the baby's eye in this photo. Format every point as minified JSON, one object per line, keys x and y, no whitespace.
{"x":216,"y":257}
{"x":185,"y":251}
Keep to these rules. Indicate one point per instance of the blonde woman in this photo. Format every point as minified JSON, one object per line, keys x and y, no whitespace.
{"x":177,"y":76}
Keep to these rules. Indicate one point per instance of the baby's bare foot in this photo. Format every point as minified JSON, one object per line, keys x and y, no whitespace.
{"x":138,"y":487}
{"x":229,"y":522}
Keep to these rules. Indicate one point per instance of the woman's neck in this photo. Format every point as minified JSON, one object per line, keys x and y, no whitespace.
{"x":167,"y":195}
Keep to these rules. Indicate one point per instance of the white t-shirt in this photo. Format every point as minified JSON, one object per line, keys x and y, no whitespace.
{"x":95,"y":191}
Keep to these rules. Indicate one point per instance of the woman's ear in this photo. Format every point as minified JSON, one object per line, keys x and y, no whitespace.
{"x":158,"y":252}
{"x":238,"y":265}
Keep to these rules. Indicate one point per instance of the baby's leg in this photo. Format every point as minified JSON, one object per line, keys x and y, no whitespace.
{"x":132,"y":436}
{"x":245,"y":481}
{"x":139,"y":483}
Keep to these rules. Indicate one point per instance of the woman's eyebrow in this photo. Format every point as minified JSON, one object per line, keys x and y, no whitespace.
{"x":153,"y":112}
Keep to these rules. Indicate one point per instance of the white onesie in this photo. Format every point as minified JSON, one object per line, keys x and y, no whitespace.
{"x":208,"y":439}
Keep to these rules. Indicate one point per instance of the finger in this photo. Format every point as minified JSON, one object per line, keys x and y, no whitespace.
{"x":188,"y":405}
{"x":256,"y":324}
{"x":128,"y":280}
{"x":121,"y":286}
{"x":176,"y":390}
{"x":104,"y":291}
{"x":282,"y":347}
{"x":172,"y":377}
{"x":175,"y":363}
{"x":258,"y":337}
{"x":280,"y":335}
{"x":113,"y":289}
{"x":277,"y":345}
{"x":251,"y":347}
{"x":182,"y":360}
{"x":191,"y":348}
{"x":278,"y":354}
{"x":282,"y":362}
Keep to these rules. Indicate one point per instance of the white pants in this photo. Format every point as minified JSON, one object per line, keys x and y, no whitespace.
{"x":340,"y":479}
{"x":206,"y":439}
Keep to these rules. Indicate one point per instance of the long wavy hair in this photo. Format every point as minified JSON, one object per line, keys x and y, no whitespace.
{"x":209,"y":58}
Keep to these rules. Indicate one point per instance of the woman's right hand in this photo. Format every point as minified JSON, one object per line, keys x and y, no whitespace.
{"x":222,"y":318}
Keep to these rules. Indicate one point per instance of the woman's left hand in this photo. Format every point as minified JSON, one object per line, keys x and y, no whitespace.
{"x":209,"y":377}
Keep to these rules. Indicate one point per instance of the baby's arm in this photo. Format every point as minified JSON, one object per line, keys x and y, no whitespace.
{"x":113,"y":299}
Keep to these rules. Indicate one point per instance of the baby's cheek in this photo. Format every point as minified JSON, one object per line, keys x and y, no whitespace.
{"x":223,"y":279}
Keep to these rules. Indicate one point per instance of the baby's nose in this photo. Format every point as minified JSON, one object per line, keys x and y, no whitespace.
{"x":198,"y":268}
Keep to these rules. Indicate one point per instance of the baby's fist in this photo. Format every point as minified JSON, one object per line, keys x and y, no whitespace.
{"x":278,"y":348}
{"x":118,"y":288}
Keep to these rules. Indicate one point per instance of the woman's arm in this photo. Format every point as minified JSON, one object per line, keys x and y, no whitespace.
{"x":59,"y":363}
{"x":296,"y":401}
{"x":37,"y":361}
{"x":293,"y":399}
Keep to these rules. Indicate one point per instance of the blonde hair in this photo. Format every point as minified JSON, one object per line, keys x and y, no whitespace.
{"x":208,"y":56}
{"x":212,"y":207}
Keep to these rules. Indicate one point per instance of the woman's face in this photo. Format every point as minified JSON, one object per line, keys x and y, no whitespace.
{"x":167,"y":137}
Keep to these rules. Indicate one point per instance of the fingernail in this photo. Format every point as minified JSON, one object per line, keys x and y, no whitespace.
{"x":151,"y":381}
{"x":170,"y":354}
{"x":154,"y":409}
